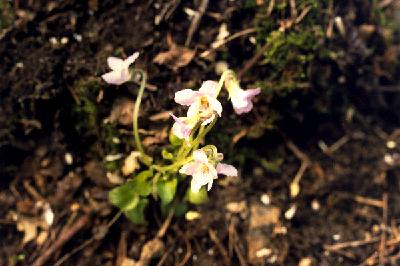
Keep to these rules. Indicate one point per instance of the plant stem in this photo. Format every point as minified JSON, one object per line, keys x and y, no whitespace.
{"x":145,"y":158}
{"x":224,"y":75}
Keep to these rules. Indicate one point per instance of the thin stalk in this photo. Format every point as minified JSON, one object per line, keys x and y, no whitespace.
{"x":145,"y":158}
{"x":221,"y":81}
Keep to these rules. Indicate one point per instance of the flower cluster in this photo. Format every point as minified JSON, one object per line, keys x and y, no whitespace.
{"x":204,"y":105}
{"x":204,"y":164}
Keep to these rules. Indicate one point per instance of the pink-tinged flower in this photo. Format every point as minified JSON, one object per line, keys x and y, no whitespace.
{"x":241,"y":99}
{"x":202,"y":103}
{"x":120,"y":69}
{"x":183,"y":127}
{"x":204,"y":172}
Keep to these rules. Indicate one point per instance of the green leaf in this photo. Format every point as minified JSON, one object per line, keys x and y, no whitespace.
{"x":141,"y":184}
{"x":136,"y":215}
{"x":174,"y":140}
{"x":167,"y":155}
{"x":124,"y":197}
{"x":197,"y":198}
{"x":166,"y":190}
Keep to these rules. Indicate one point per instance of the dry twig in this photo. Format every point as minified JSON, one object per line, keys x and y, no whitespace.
{"x":196,"y":21}
{"x":65,"y":235}
{"x":220,"y":247}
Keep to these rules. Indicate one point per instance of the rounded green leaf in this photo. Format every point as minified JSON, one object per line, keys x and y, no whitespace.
{"x":136,"y":215}
{"x":124,"y":197}
{"x":141,"y":183}
{"x":166,"y":190}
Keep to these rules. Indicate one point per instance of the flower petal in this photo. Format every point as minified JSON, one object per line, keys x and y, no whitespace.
{"x":113,"y":77}
{"x":252,"y":92}
{"x":185,"y":97}
{"x":115,"y":63}
{"x":244,"y":109}
{"x":188,"y":169}
{"x":194,"y":186}
{"x":209,"y":88}
{"x":215,"y":105}
{"x":200,"y":156}
{"x":226,"y":169}
{"x":132,"y":58}
{"x":181,"y":129}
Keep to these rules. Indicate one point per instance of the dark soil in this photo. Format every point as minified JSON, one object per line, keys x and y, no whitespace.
{"x":349,"y":191}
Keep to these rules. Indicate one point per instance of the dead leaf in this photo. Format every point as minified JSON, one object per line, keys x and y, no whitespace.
{"x":176,"y":57}
{"x":127,"y":262}
{"x":131,"y":163}
{"x":159,"y":137}
{"x":163,"y":116}
{"x":121,"y":112}
{"x":29,"y":226}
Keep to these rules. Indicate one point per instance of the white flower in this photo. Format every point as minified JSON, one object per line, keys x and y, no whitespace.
{"x":202,"y":103}
{"x":241,"y":99}
{"x":183,"y":127}
{"x":204,"y":172}
{"x":120,"y":69}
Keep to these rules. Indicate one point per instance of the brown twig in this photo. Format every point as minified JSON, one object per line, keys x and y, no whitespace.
{"x":305,"y":164}
{"x":65,"y":235}
{"x":369,"y":201}
{"x":196,"y":21}
{"x":382,"y":245}
{"x":228,"y":39}
{"x":188,"y":249}
{"x":351,"y":244}
{"x":220,"y":247}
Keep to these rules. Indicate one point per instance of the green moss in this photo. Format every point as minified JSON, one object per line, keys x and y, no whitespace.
{"x":86,"y":109}
{"x":289,"y":52}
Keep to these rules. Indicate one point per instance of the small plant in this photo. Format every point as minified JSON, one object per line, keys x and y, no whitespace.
{"x":184,"y":157}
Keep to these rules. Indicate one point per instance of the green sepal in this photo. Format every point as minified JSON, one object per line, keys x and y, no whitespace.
{"x":197,"y":198}
{"x":167,"y":155}
{"x":174,"y":140}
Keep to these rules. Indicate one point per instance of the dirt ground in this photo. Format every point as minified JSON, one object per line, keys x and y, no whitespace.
{"x":54,"y":185}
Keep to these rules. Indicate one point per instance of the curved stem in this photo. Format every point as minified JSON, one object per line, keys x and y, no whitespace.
{"x":145,"y":158}
{"x":224,"y":75}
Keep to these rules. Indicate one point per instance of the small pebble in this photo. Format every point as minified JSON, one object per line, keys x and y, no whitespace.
{"x":69,"y":160}
{"x":194,"y":257}
{"x":264,"y":252}
{"x":336,"y":237}
{"x":192,"y":215}
{"x":307,"y":261}
{"x":210,"y":252}
{"x":388,"y":159}
{"x":315,"y":205}
{"x":265,"y":199}
{"x":78,"y":37}
{"x":19,"y":65}
{"x":53,"y":41}
{"x":289,"y":214}
{"x":391,"y":144}
{"x":64,"y":40}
